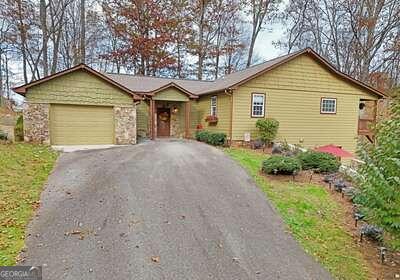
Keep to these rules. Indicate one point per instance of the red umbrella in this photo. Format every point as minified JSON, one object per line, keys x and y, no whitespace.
{"x":334,"y":150}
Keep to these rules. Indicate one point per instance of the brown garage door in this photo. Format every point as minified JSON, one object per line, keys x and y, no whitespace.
{"x":81,"y":125}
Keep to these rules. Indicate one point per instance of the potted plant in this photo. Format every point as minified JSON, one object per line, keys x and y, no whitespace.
{"x":211,"y":119}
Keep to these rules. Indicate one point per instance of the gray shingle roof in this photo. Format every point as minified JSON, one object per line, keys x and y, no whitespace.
{"x":146,"y":84}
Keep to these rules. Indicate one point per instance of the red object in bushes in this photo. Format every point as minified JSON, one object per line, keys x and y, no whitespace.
{"x":211,"y":119}
{"x":199,"y":126}
{"x":334,"y":150}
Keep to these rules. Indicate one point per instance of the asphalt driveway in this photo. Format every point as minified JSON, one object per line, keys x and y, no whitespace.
{"x":160,"y":210}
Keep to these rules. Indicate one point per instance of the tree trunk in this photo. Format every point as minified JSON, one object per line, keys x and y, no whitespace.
{"x":201,"y":46}
{"x":83,"y":33}
{"x":45,"y":38}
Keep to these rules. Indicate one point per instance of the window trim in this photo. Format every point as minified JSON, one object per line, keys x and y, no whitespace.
{"x":216,"y":105}
{"x":324,"y":112}
{"x":252,"y":104}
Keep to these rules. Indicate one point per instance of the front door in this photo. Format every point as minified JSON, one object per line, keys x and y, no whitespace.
{"x":163,"y":122}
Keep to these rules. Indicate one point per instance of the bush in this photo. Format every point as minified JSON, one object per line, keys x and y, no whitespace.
{"x":321,"y":162}
{"x":212,"y":138}
{"x":281,"y":165}
{"x":379,"y":177}
{"x":3,"y":135}
{"x":19,"y":129}
{"x":268,"y":129}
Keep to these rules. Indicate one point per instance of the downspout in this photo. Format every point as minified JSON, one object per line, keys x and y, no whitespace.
{"x":229,"y":92}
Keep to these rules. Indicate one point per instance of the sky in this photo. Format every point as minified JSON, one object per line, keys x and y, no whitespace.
{"x":264,"y":47}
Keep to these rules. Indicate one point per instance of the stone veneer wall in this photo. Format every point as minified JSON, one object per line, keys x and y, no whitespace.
{"x":125,"y":125}
{"x":36,"y":123}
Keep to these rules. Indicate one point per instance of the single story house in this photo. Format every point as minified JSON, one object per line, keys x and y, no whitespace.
{"x":314,"y":103}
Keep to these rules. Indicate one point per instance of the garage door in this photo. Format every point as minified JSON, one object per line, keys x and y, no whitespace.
{"x":81,"y":125}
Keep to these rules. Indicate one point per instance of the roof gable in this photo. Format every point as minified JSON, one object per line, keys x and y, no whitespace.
{"x":81,"y":67}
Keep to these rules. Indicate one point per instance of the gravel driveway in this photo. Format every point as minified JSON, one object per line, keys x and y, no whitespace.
{"x":160,"y":210}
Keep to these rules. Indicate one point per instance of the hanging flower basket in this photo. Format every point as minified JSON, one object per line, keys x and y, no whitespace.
{"x":211,"y":119}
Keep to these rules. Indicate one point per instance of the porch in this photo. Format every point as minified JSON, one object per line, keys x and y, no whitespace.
{"x":169,"y":112}
{"x":367,"y":118}
{"x":169,"y":118}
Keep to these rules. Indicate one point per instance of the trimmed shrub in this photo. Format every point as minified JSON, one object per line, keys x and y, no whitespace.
{"x":212,"y":138}
{"x":321,"y":162}
{"x":268,"y":129}
{"x":281,"y":165}
{"x":19,"y":129}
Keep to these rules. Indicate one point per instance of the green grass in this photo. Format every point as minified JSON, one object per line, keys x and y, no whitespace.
{"x":23,"y":171}
{"x":314,"y":218}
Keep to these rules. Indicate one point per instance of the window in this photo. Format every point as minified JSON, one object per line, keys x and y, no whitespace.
{"x":213,"y":109}
{"x":257,"y":105}
{"x":328,"y":105}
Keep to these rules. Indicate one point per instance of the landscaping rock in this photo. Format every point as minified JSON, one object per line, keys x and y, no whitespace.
{"x":258,"y":144}
{"x":276,"y":149}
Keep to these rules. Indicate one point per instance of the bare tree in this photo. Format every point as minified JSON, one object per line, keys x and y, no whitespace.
{"x":259,"y":11}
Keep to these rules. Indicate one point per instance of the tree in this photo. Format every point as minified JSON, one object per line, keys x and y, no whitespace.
{"x":379,"y":177}
{"x":259,"y":11}
{"x":360,"y":37}
{"x":144,"y":27}
{"x":83,"y":32}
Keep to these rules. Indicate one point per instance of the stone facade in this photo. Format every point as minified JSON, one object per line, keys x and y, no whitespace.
{"x":125,"y":125}
{"x":36,"y":123}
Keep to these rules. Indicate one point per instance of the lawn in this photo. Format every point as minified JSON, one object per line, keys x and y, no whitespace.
{"x":24,"y":169}
{"x":314,"y":218}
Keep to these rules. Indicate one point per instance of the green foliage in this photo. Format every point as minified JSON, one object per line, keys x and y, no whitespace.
{"x":321,"y":162}
{"x":3,"y":135}
{"x":268,"y":129}
{"x":281,"y":165}
{"x":379,"y":177}
{"x":19,"y":129}
{"x":212,"y":138}
{"x":314,"y":218}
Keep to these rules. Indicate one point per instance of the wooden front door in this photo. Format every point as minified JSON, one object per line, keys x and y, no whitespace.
{"x":163,"y":122}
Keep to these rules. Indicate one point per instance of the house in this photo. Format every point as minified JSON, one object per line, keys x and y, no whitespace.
{"x":314,"y":103}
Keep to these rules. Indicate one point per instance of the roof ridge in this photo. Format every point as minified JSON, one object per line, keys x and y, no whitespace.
{"x":165,"y":78}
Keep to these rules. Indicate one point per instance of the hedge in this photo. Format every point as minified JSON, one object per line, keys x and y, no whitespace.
{"x":281,"y":165}
{"x":212,"y":138}
{"x":320,"y":162}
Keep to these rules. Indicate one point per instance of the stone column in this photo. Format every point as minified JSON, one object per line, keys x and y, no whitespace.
{"x":125,"y":125}
{"x":36,"y":122}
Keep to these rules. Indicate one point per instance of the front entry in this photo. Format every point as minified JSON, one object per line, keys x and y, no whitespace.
{"x":163,"y":122}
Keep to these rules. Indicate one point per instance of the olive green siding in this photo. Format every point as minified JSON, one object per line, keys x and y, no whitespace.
{"x":293,"y":93}
{"x":142,"y":120}
{"x":171,"y":94}
{"x":79,"y":87}
{"x":223,"y":112}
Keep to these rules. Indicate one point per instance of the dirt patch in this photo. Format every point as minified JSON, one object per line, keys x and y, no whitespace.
{"x":390,"y":269}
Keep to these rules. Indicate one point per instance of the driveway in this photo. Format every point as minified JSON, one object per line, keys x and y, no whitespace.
{"x":160,"y":210}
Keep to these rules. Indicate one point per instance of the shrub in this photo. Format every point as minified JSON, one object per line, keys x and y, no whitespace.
{"x":281,"y":165}
{"x":321,"y":162}
{"x":268,"y":129}
{"x":19,"y":129}
{"x":212,"y":138}
{"x":3,"y":135}
{"x":379,"y":177}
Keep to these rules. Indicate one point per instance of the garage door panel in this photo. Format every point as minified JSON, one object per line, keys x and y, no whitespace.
{"x":75,"y":125}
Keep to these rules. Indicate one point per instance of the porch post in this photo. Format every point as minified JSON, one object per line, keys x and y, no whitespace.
{"x":151,"y":113}
{"x":187,"y":119}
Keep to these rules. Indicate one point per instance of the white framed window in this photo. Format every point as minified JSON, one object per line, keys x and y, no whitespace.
{"x":257,"y":105}
{"x":213,"y":107}
{"x":328,"y":105}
